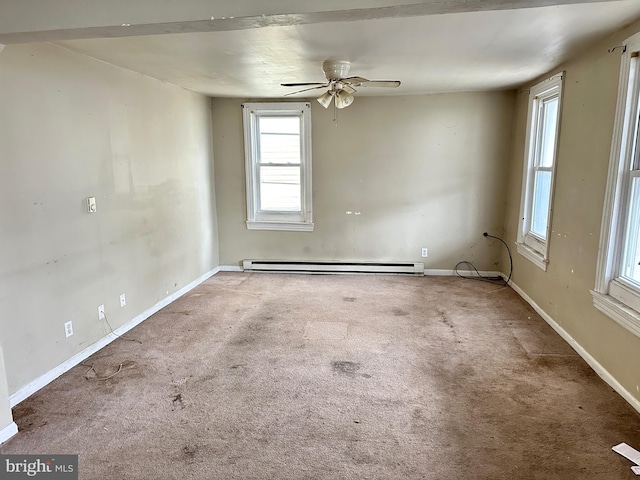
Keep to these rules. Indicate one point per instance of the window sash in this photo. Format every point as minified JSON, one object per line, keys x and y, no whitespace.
{"x":537,"y":209}
{"x":541,"y":163}
{"x":261,"y":190}
{"x":261,"y":137}
{"x":545,"y":144}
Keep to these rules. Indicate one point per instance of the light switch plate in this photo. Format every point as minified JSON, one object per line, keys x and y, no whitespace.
{"x":91,"y":205}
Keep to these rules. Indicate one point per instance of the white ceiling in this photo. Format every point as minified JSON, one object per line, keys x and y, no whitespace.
{"x":472,"y":50}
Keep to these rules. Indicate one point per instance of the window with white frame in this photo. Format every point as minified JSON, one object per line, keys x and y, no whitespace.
{"x":543,"y":125}
{"x":277,"y":145}
{"x":617,"y":289}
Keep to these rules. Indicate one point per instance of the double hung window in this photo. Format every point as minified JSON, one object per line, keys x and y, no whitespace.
{"x":543,"y":127}
{"x":617,"y":289}
{"x":277,"y":142}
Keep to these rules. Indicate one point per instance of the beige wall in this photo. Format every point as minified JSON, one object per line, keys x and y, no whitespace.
{"x":423,"y":171}
{"x":72,"y":127}
{"x":590,"y":91}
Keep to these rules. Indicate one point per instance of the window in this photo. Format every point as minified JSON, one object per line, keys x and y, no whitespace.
{"x":543,"y":124}
{"x":277,"y":145}
{"x":617,"y":289}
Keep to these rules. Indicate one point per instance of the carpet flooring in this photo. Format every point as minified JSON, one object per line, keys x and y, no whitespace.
{"x":278,"y":376}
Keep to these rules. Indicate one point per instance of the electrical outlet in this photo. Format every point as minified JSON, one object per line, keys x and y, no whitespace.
{"x":425,"y":251}
{"x":101,"y":315}
{"x":123,"y":300}
{"x":68,"y":329}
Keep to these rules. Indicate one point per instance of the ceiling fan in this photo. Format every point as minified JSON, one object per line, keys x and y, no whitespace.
{"x":338,"y":85}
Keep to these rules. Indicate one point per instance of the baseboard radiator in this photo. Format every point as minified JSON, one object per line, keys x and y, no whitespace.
{"x":332,"y":267}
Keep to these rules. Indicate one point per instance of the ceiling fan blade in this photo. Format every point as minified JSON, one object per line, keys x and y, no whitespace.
{"x":355,"y":80}
{"x":305,"y":90}
{"x":381,"y":83}
{"x":303,"y":84}
{"x":349,"y":89}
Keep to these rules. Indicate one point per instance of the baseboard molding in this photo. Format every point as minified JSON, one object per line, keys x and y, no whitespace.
{"x":7,"y":432}
{"x":593,"y":363}
{"x":230,"y":268}
{"x":43,"y":380}
{"x":452,"y":273}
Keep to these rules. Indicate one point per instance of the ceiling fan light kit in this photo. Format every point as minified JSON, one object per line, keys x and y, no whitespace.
{"x":339,"y":87}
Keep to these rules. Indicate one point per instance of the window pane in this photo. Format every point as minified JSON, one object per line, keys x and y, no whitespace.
{"x":548,"y":121}
{"x":279,"y":140}
{"x":280,"y":189}
{"x":631,"y":269}
{"x":540,"y":206}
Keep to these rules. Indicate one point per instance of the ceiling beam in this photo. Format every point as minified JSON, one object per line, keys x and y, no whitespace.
{"x":24,"y":21}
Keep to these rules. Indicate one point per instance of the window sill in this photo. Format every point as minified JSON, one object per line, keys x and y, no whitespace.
{"x":618,"y":311}
{"x":282,"y":226}
{"x":534,"y":257}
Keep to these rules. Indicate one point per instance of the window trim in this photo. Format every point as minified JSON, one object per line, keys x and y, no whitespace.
{"x":614,"y":296}
{"x":284,"y":221}
{"x":529,"y":245}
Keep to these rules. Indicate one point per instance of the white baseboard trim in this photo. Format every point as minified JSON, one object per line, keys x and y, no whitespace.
{"x":593,"y":363}
{"x":452,"y":273}
{"x":43,"y":380}
{"x":7,"y":432}
{"x":230,"y":268}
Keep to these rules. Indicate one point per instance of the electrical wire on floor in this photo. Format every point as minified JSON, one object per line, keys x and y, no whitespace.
{"x":97,"y":377}
{"x":120,"y":366}
{"x":479,"y":276}
{"x":119,"y":336}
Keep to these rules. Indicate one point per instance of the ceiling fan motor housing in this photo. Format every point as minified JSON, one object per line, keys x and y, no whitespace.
{"x":335,"y":69}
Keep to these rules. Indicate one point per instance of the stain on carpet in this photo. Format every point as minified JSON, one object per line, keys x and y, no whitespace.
{"x":444,"y":318}
{"x":189,"y":451}
{"x":344,"y":367}
{"x":177,"y":402}
{"x":26,"y":417}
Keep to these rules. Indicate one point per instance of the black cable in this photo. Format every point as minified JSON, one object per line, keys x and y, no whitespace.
{"x":486,"y":279}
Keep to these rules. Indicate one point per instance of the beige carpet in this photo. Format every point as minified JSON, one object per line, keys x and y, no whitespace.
{"x":264,"y":376}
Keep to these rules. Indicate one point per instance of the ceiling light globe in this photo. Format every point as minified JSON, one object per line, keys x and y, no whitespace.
{"x":343,"y":99}
{"x":325,"y":99}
